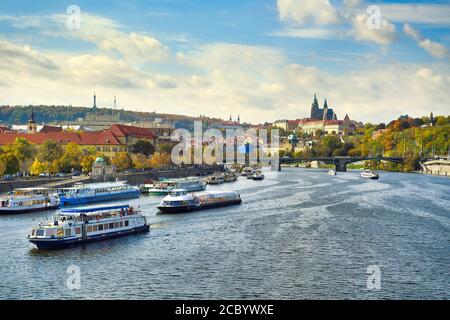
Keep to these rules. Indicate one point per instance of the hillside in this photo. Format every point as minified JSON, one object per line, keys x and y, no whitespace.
{"x":46,"y":114}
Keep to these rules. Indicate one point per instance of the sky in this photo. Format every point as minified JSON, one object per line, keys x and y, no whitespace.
{"x":262,"y":59}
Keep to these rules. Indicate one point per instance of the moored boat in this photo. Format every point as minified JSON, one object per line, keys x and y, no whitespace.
{"x":332,"y":172}
{"x":247,"y":171}
{"x":369,"y":174}
{"x":97,"y":192}
{"x":230,"y":176}
{"x":164,"y":187}
{"x":216,"y":178}
{"x":76,"y":226}
{"x":25,"y":200}
{"x":179,"y":201}
{"x":258,"y":175}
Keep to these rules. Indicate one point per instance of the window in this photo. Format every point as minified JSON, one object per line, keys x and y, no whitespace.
{"x":100,"y":227}
{"x":111,"y":225}
{"x":40,"y":232}
{"x":121,"y":224}
{"x":89,"y":229}
{"x":95,"y":228}
{"x":126,"y":223}
{"x":77,"y":230}
{"x":116,"y":224}
{"x":67,"y":232}
{"x":105,"y":226}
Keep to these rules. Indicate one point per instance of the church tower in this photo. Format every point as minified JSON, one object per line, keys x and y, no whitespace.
{"x":325,"y":111}
{"x":315,"y":112}
{"x":32,"y":127}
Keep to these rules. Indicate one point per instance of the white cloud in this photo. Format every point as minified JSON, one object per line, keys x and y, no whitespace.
{"x":320,"y":12}
{"x":383,"y":35}
{"x":434,"y":48}
{"x":434,"y":14}
{"x":310,"y":33}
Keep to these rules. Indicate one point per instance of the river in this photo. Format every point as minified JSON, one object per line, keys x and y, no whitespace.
{"x":299,"y":234}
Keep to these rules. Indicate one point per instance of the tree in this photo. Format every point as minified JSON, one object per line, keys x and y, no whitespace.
{"x":10,"y":162}
{"x":122,"y":161}
{"x":159,"y":160}
{"x":38,"y":167}
{"x":71,"y":159}
{"x":23,"y":151}
{"x":144,"y":147}
{"x":164,"y":148}
{"x":140,"y":161}
{"x":49,"y":151}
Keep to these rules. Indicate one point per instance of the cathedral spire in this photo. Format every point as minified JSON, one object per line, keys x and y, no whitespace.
{"x":325,"y":105}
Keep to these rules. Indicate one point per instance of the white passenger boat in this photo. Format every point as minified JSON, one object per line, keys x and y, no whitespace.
{"x":164,"y":187}
{"x":97,"y":192}
{"x":180,"y":201}
{"x":369,"y":174}
{"x":332,"y":172}
{"x":216,"y":178}
{"x":77,"y":226}
{"x":25,"y":200}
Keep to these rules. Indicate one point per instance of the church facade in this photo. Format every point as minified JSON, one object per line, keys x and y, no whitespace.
{"x":324,"y":113}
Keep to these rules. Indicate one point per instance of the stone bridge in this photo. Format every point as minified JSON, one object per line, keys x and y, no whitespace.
{"x":340,"y":163}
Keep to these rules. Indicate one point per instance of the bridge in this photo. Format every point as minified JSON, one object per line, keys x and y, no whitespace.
{"x":340,"y":163}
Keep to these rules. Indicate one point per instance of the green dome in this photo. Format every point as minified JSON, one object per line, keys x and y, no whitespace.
{"x":99,"y":160}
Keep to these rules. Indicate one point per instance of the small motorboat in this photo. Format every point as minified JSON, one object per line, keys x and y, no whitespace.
{"x":369,"y":174}
{"x":258,"y":175}
{"x":332,"y":172}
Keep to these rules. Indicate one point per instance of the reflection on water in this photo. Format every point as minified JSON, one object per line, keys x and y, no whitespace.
{"x":298,"y":234}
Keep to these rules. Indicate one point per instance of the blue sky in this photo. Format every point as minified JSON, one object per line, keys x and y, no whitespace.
{"x":261,"y":59}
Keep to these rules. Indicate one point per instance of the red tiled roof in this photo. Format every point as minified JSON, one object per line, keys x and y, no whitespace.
{"x":46,"y":129}
{"x":87,"y":138}
{"x":120,"y":130}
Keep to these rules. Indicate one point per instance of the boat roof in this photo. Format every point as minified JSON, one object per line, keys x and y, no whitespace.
{"x":96,"y":185}
{"x":78,"y":211}
{"x":32,"y":189}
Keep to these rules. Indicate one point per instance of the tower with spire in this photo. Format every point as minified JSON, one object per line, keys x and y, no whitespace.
{"x":95,"y":102}
{"x":321,"y":114}
{"x":31,"y":125}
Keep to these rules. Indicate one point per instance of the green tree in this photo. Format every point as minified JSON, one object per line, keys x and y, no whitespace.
{"x":144,"y":147}
{"x":49,"y":151}
{"x":71,"y":159}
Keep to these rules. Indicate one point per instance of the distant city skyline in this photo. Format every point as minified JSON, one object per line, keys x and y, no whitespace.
{"x":263,"y":60}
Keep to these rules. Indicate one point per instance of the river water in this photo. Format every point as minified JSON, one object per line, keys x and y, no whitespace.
{"x":299,"y":234}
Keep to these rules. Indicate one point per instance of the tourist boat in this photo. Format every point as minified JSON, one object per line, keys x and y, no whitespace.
{"x":25,"y":200}
{"x":164,"y":187}
{"x":96,"y":192}
{"x":258,"y":175}
{"x":369,"y":174}
{"x":230,"y":176}
{"x":247,"y":171}
{"x":332,"y":172}
{"x":216,"y":178}
{"x":179,"y":201}
{"x":77,"y":226}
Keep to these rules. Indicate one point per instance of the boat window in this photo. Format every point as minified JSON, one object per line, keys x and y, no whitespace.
{"x":40,"y":232}
{"x":77,"y":230}
{"x":126,"y":223}
{"x":116,"y":224}
{"x":89,"y":229}
{"x":105,"y":226}
{"x":111,"y":225}
{"x":100,"y":227}
{"x":67,"y":232}
{"x":95,"y":228}
{"x":50,"y":232}
{"x":121,"y":224}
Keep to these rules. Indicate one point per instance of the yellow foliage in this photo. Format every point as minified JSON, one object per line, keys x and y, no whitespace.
{"x":38,"y":167}
{"x":160,"y":159}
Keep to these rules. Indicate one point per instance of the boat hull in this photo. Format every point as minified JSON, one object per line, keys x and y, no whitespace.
{"x":100,"y":198}
{"x":64,"y":243}
{"x":29,"y":210}
{"x":183,"y":209}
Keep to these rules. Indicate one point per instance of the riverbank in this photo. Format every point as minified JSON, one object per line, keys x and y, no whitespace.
{"x":133,"y":178}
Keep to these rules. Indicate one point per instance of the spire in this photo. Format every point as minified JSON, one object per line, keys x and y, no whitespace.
{"x":325,"y":105}
{"x":95,"y":101}
{"x":230,"y":117}
{"x":32,"y":116}
{"x":239,"y":119}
